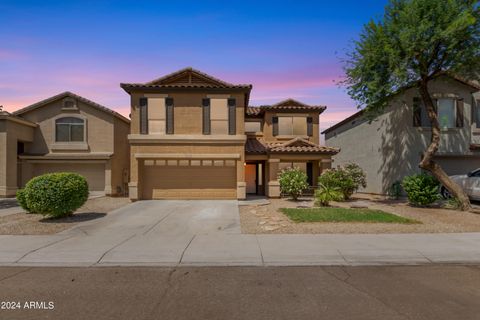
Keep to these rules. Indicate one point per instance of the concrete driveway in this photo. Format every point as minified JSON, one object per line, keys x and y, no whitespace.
{"x":207,"y":233}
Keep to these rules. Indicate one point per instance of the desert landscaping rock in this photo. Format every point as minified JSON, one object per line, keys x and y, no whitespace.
{"x":433,"y":220}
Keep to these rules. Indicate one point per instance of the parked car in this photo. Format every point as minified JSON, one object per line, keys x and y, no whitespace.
{"x":470,"y":182}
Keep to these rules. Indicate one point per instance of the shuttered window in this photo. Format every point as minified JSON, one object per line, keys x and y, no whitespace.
{"x":275,"y":126}
{"x":309,"y":126}
{"x":232,"y":116}
{"x":477,"y":113}
{"x":206,"y":115}
{"x":143,"y":108}
{"x":460,"y":114}
{"x":169,"y":115}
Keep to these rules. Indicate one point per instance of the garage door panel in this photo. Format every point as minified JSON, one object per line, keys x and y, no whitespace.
{"x":94,"y":173}
{"x":189,"y":182}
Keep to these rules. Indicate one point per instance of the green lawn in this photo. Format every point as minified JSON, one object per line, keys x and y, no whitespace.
{"x":329,"y":214}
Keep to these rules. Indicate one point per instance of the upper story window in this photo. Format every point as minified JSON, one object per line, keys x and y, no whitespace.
{"x":292,"y":126}
{"x":219,"y":116}
{"x":449,"y":113}
{"x":253,"y":126}
{"x":69,"y":129}
{"x":156,"y":115}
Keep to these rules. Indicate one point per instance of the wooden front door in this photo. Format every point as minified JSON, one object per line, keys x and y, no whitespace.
{"x":251,"y":177}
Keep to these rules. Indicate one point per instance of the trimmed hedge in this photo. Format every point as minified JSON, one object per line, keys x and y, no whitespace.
{"x":422,"y":189}
{"x":22,"y":201}
{"x":54,"y":194}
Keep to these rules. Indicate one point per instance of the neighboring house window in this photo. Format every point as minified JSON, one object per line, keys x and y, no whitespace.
{"x":69,"y":129}
{"x":292,"y":126}
{"x":449,"y":113}
{"x":446,"y":113}
{"x":219,"y":116}
{"x":477,"y":113}
{"x":252,"y":127}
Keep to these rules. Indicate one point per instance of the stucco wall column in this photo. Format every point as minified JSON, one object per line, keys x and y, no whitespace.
{"x":133,"y":191}
{"x":273,"y":186}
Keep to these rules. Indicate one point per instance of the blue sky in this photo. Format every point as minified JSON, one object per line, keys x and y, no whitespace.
{"x":284,"y":48}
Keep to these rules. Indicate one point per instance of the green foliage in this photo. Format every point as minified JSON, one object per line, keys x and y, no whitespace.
{"x":395,"y":190}
{"x":346,"y":179}
{"x":293,"y":182}
{"x":357,"y":174}
{"x":453,"y":203}
{"x":22,"y":201}
{"x":329,"y":214}
{"x":326,"y":193}
{"x":55,"y":194}
{"x":416,"y":39}
{"x":421,"y":189}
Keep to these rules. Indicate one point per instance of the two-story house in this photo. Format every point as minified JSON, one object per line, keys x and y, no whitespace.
{"x":391,"y":146}
{"x":66,"y":133}
{"x":194,"y":137}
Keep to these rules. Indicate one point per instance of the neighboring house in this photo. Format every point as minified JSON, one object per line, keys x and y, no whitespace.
{"x":64,"y":133}
{"x":391,"y":146}
{"x":194,"y":137}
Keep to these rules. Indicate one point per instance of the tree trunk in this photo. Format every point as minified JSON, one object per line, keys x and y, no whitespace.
{"x":428,"y":163}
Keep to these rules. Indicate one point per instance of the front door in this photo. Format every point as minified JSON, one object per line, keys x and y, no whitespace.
{"x":251,"y":177}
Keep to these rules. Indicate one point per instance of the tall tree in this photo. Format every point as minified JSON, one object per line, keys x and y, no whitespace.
{"x":414,"y":42}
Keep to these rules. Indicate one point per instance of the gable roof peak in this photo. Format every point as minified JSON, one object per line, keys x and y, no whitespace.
{"x":290,"y":102}
{"x":70,"y":95}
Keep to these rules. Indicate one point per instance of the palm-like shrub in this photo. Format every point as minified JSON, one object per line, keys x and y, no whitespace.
{"x":326,"y":193}
{"x":293,"y":182}
{"x":54,"y":194}
{"x":421,"y":189}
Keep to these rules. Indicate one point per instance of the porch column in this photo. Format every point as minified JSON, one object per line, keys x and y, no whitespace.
{"x":241,"y":184}
{"x":133,"y":191}
{"x":273,"y":186}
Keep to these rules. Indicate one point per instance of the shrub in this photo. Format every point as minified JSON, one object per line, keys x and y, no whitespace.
{"x":347,"y":179}
{"x":293,"y":182}
{"x":421,"y":189}
{"x":357,"y":174}
{"x":22,"y":201}
{"x":325,"y":194}
{"x":56,"y":194}
{"x":395,"y":190}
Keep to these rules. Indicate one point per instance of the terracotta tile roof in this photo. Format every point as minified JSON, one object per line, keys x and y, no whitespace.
{"x":254,"y":111}
{"x":186,"y":78}
{"x":74,"y":96}
{"x":297,"y":145}
{"x":255,"y":146}
{"x":285,"y":105}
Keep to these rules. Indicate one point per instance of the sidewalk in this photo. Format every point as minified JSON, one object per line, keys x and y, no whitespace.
{"x":222,"y":249}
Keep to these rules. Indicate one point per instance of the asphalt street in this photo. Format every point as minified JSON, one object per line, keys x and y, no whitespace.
{"x":382,"y":292}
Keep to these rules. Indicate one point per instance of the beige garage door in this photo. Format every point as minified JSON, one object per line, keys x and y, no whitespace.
{"x":189,"y":179}
{"x":93,"y":172}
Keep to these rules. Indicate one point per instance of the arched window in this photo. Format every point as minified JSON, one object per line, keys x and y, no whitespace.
{"x":69,"y":129}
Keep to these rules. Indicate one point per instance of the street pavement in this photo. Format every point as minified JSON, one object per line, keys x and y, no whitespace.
{"x":435,"y":292}
{"x":207,"y":233}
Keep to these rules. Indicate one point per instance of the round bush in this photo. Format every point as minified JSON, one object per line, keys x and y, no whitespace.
{"x":56,"y":194}
{"x":421,"y":189}
{"x":293,"y":182}
{"x":22,"y":201}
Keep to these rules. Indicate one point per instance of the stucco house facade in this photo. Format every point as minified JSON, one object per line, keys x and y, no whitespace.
{"x":64,"y":133}
{"x":391,"y":146}
{"x":193,"y":136}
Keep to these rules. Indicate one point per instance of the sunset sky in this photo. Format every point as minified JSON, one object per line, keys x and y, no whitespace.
{"x":285,"y":49}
